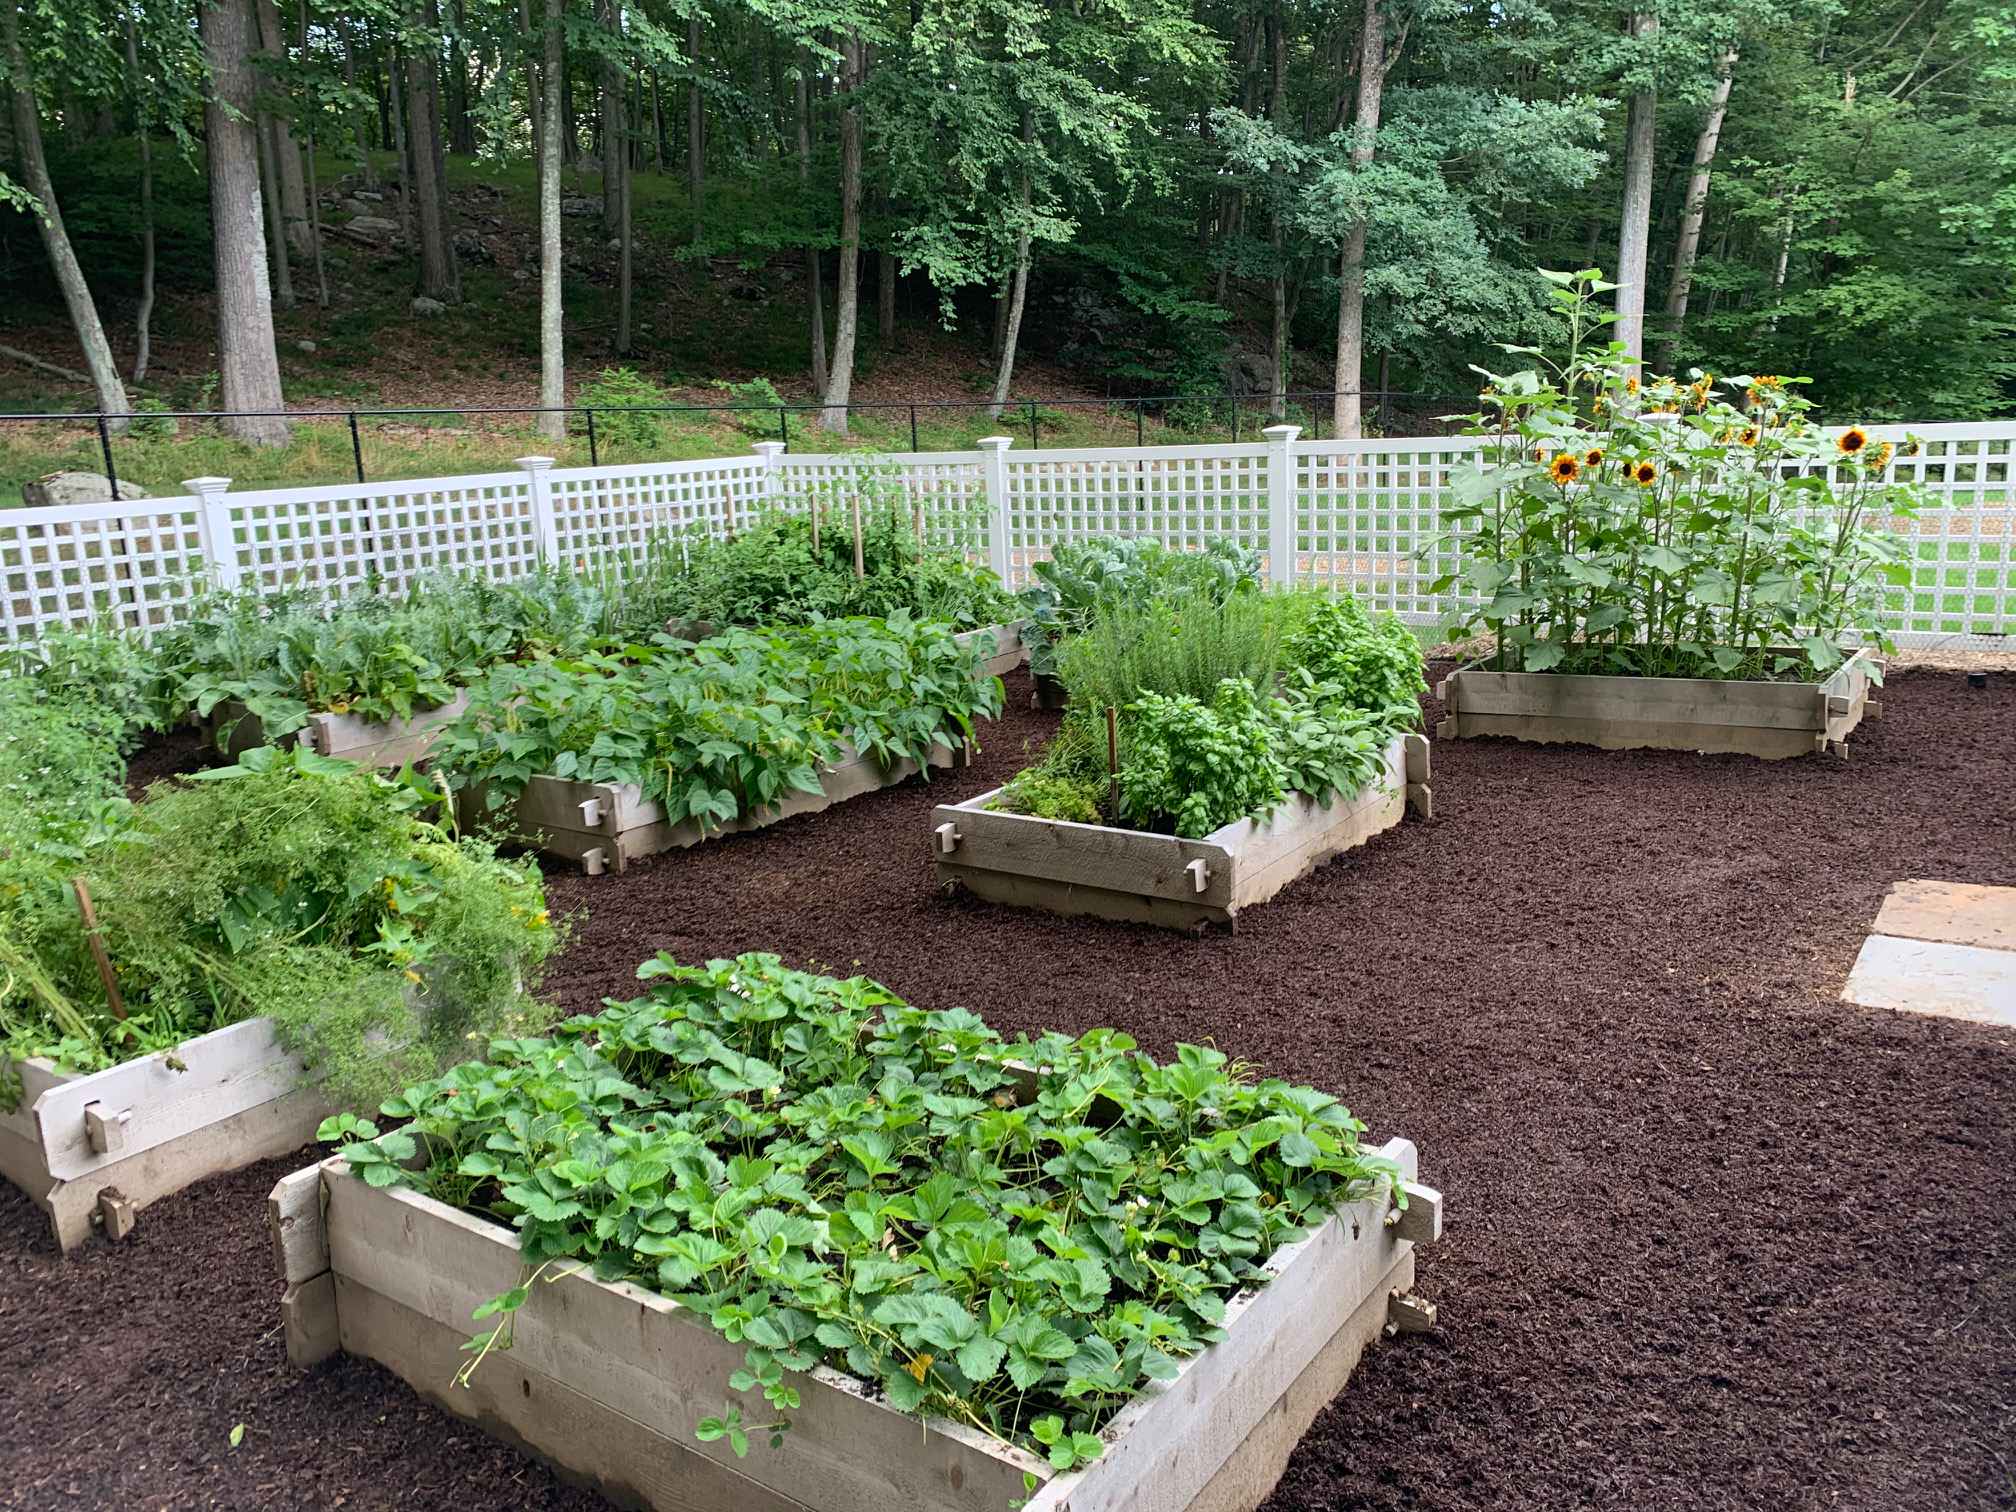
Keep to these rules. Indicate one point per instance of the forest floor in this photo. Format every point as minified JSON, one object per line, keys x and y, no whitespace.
{"x":1715,"y":1239}
{"x":701,"y":325}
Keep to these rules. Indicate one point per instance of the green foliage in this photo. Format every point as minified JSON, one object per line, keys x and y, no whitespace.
{"x":1669,"y":531}
{"x":1373,"y":665}
{"x":1183,"y":645}
{"x":1193,"y":767}
{"x":104,"y":673}
{"x":753,"y":391}
{"x":724,"y":727}
{"x":770,"y":573}
{"x":290,"y":886}
{"x":622,"y":399}
{"x":830,"y":1176}
{"x":1051,"y":795}
{"x":1083,"y":578}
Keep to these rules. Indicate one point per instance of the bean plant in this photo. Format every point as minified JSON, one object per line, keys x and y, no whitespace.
{"x":724,"y":727}
{"x":1016,"y":1236}
{"x":1696,"y":528}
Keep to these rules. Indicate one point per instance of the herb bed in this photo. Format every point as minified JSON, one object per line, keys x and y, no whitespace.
{"x":1773,"y":720}
{"x":1146,"y":878}
{"x":99,"y":1147}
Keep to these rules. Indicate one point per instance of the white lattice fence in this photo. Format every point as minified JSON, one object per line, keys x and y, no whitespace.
{"x":606,"y":517}
{"x":135,"y":563}
{"x":941,"y":494}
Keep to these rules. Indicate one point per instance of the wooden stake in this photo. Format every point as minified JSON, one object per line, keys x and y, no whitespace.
{"x":97,"y":944}
{"x":1113,"y":757}
{"x":818,"y":508}
{"x":860,"y":565}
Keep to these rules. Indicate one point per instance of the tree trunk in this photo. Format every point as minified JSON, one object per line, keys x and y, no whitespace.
{"x":885,"y":262}
{"x":616,"y":175}
{"x":814,"y":295}
{"x":437,"y":254}
{"x":552,"y":358}
{"x":248,"y":366}
{"x":1695,"y":212}
{"x":142,"y":124}
{"x":393,"y":93}
{"x":286,"y":151}
{"x":314,"y":194}
{"x":607,"y":106}
{"x":534,"y":90}
{"x":460,"y":124}
{"x":55,"y":239}
{"x":1635,"y":235}
{"x":1347,"y":409}
{"x":276,"y":226}
{"x":1279,"y":357}
{"x":840,"y":380}
{"x":1018,"y":288}
{"x":661,"y":148}
{"x":696,"y":126}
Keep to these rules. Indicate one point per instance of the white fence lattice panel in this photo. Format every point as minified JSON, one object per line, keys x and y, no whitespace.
{"x":607,"y":516}
{"x":135,"y":564}
{"x":942,"y":494}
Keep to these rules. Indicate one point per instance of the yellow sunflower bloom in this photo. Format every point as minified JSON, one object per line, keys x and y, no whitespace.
{"x":1880,"y":458}
{"x":1565,"y":469}
{"x":1852,"y":440}
{"x":1593,"y":457}
{"x":1630,"y":385}
{"x":1749,"y":436}
{"x":1645,"y":474}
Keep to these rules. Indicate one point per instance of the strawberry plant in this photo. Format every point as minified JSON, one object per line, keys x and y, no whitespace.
{"x":1017,"y":1236}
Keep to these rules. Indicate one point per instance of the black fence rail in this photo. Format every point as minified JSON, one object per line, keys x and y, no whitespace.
{"x":1244,"y":415}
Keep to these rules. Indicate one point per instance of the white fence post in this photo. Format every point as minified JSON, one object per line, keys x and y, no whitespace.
{"x":995,"y":464}
{"x":545,"y":524}
{"x":772,"y":453}
{"x":213,"y":529}
{"x":1281,"y":504}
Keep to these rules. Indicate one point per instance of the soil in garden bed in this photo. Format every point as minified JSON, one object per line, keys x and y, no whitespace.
{"x":1716,"y":1240}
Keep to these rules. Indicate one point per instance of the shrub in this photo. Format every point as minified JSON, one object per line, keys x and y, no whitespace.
{"x":106,"y":674}
{"x":622,"y":399}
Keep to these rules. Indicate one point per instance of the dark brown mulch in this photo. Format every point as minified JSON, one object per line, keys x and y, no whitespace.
{"x":167,"y":755}
{"x":1715,"y":1239}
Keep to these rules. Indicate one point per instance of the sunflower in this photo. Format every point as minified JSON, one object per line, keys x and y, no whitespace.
{"x":1539,"y":454}
{"x":1593,"y":457}
{"x":1630,"y":385}
{"x":1565,"y":469}
{"x":1749,"y":436}
{"x":1645,"y":474}
{"x":1911,"y":448}
{"x":1880,"y":458}
{"x":1852,"y":440}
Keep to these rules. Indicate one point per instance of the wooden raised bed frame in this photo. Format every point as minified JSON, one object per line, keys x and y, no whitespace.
{"x":98,"y":1148}
{"x":1161,"y":879}
{"x":375,"y":743}
{"x":1773,"y":720}
{"x":607,"y":825}
{"x":607,"y":1381}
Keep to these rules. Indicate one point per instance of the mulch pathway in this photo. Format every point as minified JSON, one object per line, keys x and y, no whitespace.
{"x":1715,"y":1239}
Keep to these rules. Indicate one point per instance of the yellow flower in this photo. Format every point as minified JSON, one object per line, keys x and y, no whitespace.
{"x":1593,"y":457}
{"x":1880,"y":458}
{"x":919,"y":1366}
{"x":539,"y":919}
{"x":1852,"y":440}
{"x":1630,"y":385}
{"x":1645,"y":474}
{"x":1912,"y":448}
{"x":1769,"y":381}
{"x":412,"y":975}
{"x":1749,"y":436}
{"x":1565,"y":469}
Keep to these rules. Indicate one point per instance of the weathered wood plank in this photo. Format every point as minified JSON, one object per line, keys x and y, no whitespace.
{"x":1095,"y":855}
{"x":294,"y":1221}
{"x":586,"y":1440}
{"x":1632,"y":735}
{"x":309,"y":1321}
{"x":224,"y":1073}
{"x":368,"y":742}
{"x":644,"y":1355}
{"x":1170,"y":1443}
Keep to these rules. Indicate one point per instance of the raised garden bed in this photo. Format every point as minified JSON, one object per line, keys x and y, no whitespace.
{"x":1773,"y":720}
{"x":607,"y":1381}
{"x":607,"y":825}
{"x":1164,"y":879}
{"x":378,"y":743}
{"x":1007,"y":654}
{"x":104,"y":1145}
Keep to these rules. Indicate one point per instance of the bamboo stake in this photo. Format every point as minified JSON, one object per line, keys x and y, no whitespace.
{"x":818,"y":509}
{"x":860,"y":563}
{"x":98,"y":953}
{"x":1113,"y":758}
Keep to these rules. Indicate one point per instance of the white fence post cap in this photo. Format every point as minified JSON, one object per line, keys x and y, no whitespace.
{"x":768,"y":449}
{"x":1282,"y":433}
{"x":995,"y":443}
{"x":206,"y":485}
{"x":534,"y":464}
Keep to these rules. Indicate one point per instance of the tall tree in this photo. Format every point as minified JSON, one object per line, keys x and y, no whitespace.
{"x":440,"y":278}
{"x":278,"y":118}
{"x":248,"y":363}
{"x":1695,"y":212}
{"x":840,"y":376}
{"x":1634,"y":236}
{"x":49,"y":219}
{"x":552,"y":352}
{"x":1347,"y":418}
{"x":815,"y":301}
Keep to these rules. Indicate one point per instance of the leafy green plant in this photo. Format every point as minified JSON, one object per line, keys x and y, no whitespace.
{"x":103,"y":668}
{"x":1083,"y":578}
{"x":1052,"y":795}
{"x":1372,"y":664}
{"x":623,"y":400}
{"x":1685,"y":529}
{"x":1192,"y":767}
{"x":723,"y":727}
{"x":758,"y":391}
{"x":289,"y":886}
{"x":1015,"y":1236}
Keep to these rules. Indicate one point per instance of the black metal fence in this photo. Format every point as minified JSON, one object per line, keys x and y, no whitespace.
{"x":1194,"y":418}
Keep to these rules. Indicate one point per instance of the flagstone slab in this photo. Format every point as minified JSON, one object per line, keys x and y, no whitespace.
{"x":1952,"y":913}
{"x":1930,"y":976}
